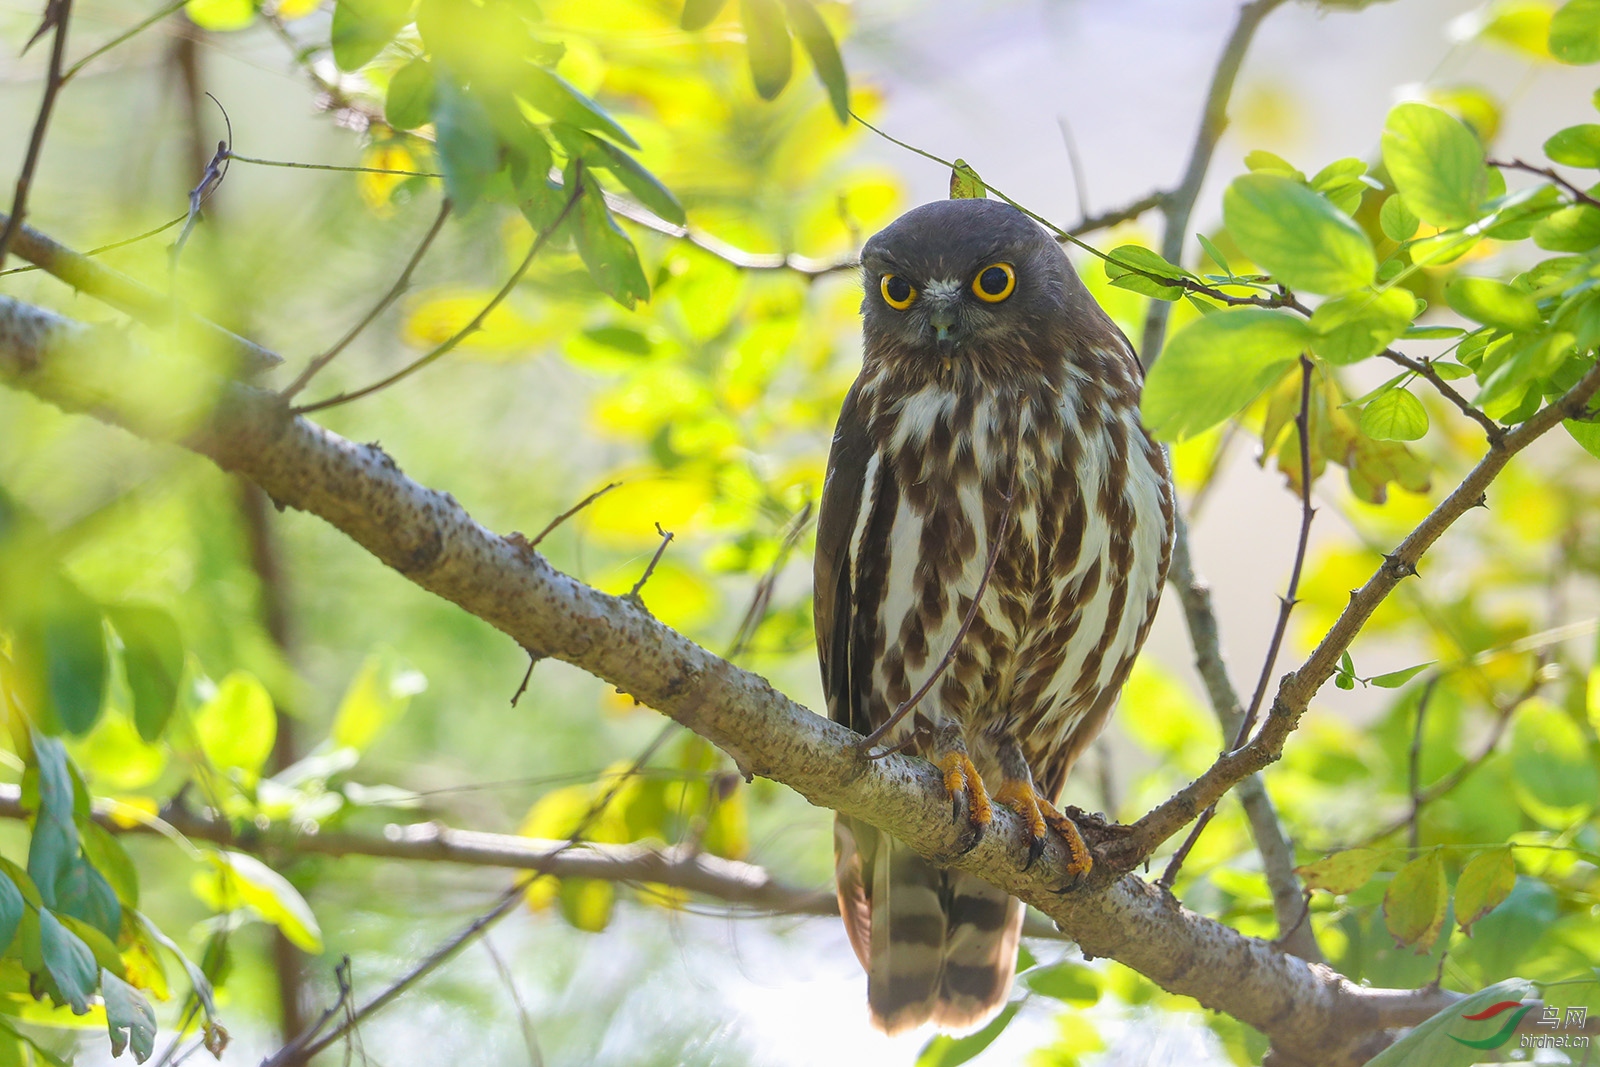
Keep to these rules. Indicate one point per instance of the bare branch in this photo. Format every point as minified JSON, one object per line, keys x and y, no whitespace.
{"x":1577,"y":193}
{"x":57,"y":16}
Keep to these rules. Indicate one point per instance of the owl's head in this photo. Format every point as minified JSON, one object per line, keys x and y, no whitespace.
{"x":975,"y":277}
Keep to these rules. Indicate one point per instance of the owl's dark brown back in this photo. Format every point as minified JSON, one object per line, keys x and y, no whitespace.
{"x":988,"y":373}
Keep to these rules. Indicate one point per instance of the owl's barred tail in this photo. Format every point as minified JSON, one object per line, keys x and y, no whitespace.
{"x":937,"y":945}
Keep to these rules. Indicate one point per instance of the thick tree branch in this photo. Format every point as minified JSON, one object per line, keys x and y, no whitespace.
{"x":1312,"y":1014}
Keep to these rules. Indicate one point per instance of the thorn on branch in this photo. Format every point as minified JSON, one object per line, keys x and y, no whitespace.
{"x":1398,"y":567}
{"x":633,"y":594}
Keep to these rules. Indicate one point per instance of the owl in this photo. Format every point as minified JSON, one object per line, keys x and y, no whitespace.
{"x":989,"y":471}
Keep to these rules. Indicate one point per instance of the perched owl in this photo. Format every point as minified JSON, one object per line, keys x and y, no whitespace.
{"x":996,"y":418}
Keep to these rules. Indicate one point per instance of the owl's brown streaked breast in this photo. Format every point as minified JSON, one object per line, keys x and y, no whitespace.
{"x":1076,"y":579}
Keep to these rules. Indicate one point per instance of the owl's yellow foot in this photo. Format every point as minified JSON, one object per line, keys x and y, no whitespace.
{"x":1039,"y":815}
{"x":1081,"y":860}
{"x":965,"y":787}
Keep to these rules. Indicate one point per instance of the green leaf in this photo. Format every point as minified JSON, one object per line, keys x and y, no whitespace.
{"x":965,"y":183}
{"x":246,"y":880}
{"x":1550,"y":758}
{"x":129,"y":1017}
{"x":1451,"y":372}
{"x":1486,"y":880}
{"x":73,"y":640}
{"x":1572,"y":229}
{"x":698,"y":14}
{"x":1216,"y":365}
{"x":638,"y":181}
{"x":1215,"y":253}
{"x":1436,"y":164}
{"x":11,"y":908}
{"x":1342,"y":872}
{"x":1351,"y":328}
{"x":220,"y":16}
{"x":152,"y":656}
{"x":1396,"y":220}
{"x":238,"y":725}
{"x":106,"y":854}
{"x":469,"y":151}
{"x":824,"y":53}
{"x":1437,"y":1042}
{"x":1142,"y":269}
{"x":1575,"y":146}
{"x":1262,"y":160}
{"x":767,"y":41}
{"x":1394,"y":416}
{"x":409,"y":102}
{"x":70,"y":962}
{"x":361,"y":29}
{"x":556,"y":97}
{"x":1414,"y":906}
{"x":947,"y":1051}
{"x":1493,"y":303}
{"x":1587,"y":434}
{"x":83,"y":893}
{"x":1395,"y":679}
{"x":612,"y":260}
{"x":378,"y":695}
{"x":1070,"y":982}
{"x":1434,"y":333}
{"x":1575,"y":32}
{"x":1297,"y":236}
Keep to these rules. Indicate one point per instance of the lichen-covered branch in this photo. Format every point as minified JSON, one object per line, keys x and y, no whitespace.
{"x":1311,"y":1013}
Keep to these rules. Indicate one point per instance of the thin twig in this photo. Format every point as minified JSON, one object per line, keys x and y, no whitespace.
{"x":761,"y":597}
{"x":866,"y":744}
{"x":1414,"y":759}
{"x":462,"y":334}
{"x":399,"y":286}
{"x":1491,"y":429}
{"x":1286,"y":607}
{"x":291,"y":165}
{"x":529,"y":1037}
{"x":1574,"y":191}
{"x":61,"y":12}
{"x":125,"y":242}
{"x":550,"y":526}
{"x":122,"y":38}
{"x":1179,"y":206}
{"x":527,"y":676}
{"x":650,"y":568}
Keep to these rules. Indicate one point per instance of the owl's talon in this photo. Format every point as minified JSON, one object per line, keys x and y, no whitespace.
{"x":1082,"y":859}
{"x":965,"y":788}
{"x":1038,"y":816}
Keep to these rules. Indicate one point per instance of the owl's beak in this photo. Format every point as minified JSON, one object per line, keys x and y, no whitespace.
{"x":943,"y":318}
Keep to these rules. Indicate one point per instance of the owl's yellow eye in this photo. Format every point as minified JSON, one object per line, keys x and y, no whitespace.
{"x":897,"y":292}
{"x":995,"y":282}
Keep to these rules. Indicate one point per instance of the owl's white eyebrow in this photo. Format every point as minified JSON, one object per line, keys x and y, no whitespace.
{"x":945,"y":287}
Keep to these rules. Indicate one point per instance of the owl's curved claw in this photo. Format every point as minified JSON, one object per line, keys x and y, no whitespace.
{"x":965,"y":789}
{"x":1039,"y":816}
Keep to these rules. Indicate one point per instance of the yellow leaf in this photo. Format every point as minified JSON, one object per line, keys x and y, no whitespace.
{"x":289,"y":10}
{"x":434,"y":318}
{"x":1415,"y":903}
{"x":376,"y":189}
{"x":1485,"y":882}
{"x":626,"y":517}
{"x":1342,"y":872}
